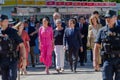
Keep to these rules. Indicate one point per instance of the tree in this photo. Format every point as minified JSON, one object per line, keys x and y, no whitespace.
{"x":118,"y":1}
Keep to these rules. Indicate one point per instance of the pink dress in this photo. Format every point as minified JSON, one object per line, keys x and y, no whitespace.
{"x":46,"y":45}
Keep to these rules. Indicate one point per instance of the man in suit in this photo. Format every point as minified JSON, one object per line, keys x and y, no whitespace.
{"x":72,"y":41}
{"x":101,"y":18}
{"x":83,"y":26}
{"x":117,"y":22}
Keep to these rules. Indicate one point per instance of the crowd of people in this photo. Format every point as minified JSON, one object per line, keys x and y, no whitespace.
{"x":47,"y":39}
{"x":59,"y":41}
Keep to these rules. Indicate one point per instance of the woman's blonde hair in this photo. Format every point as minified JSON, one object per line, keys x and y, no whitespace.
{"x":90,"y":20}
{"x":17,"y":25}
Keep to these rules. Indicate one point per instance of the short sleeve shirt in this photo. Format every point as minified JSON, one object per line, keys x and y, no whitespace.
{"x":102,"y":33}
{"x":58,"y":37}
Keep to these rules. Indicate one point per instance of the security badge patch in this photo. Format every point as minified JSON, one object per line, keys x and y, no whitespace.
{"x":114,"y":34}
{"x":111,"y":34}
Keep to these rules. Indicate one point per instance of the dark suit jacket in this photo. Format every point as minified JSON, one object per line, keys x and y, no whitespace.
{"x":118,"y":22}
{"x":72,"y":40}
{"x":102,"y":21}
{"x":84,"y":31}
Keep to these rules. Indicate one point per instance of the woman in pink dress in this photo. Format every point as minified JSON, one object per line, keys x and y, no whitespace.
{"x":46,"y":43}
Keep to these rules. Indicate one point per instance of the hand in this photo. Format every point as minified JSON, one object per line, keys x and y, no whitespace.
{"x":5,"y":35}
{"x":31,"y":34}
{"x":64,"y":48}
{"x":18,"y":48}
{"x":82,"y":36}
{"x":53,"y":46}
{"x":29,"y":50}
{"x":39,"y":46}
{"x":81,"y":49}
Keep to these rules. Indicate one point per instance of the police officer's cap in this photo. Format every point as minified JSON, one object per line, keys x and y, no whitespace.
{"x":110,"y":14}
{"x":3,"y":17}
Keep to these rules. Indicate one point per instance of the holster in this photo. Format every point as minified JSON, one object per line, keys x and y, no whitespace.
{"x":13,"y":54}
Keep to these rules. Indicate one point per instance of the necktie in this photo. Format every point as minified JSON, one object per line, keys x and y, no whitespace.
{"x":72,"y":31}
{"x":81,"y":27}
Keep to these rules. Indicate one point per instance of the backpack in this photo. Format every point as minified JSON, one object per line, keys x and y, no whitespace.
{"x":7,"y":45}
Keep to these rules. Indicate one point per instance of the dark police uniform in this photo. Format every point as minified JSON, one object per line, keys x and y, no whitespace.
{"x":110,"y":40}
{"x":8,"y":63}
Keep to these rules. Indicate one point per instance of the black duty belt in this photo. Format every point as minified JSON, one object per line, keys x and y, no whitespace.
{"x":112,"y":55}
{"x":12,"y":55}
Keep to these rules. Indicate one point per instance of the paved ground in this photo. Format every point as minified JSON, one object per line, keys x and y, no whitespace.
{"x":83,"y":73}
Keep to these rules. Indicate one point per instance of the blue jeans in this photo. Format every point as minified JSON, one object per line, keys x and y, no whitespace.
{"x":9,"y":69}
{"x":111,"y":67}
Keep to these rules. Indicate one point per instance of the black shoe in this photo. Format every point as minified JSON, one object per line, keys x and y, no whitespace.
{"x":74,"y":71}
{"x":101,"y":65}
{"x":26,"y":67}
{"x":58,"y":70}
{"x":71,"y":67}
{"x":82,"y":64}
{"x":97,"y":70}
{"x":33,"y":65}
{"x":71,"y":70}
{"x":85,"y":60}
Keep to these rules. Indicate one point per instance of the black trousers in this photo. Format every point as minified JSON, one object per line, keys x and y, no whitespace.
{"x":83,"y":55}
{"x":73,"y":57}
{"x":8,"y":68}
{"x":32,"y":56}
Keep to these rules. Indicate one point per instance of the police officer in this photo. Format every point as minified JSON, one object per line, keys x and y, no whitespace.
{"x":109,"y":38}
{"x":8,"y":62}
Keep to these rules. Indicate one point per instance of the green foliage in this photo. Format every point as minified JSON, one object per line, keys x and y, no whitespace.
{"x":118,"y":1}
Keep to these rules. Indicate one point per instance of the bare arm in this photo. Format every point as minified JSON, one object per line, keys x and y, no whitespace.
{"x":35,"y":32}
{"x":28,"y":46}
{"x":39,"y":37}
